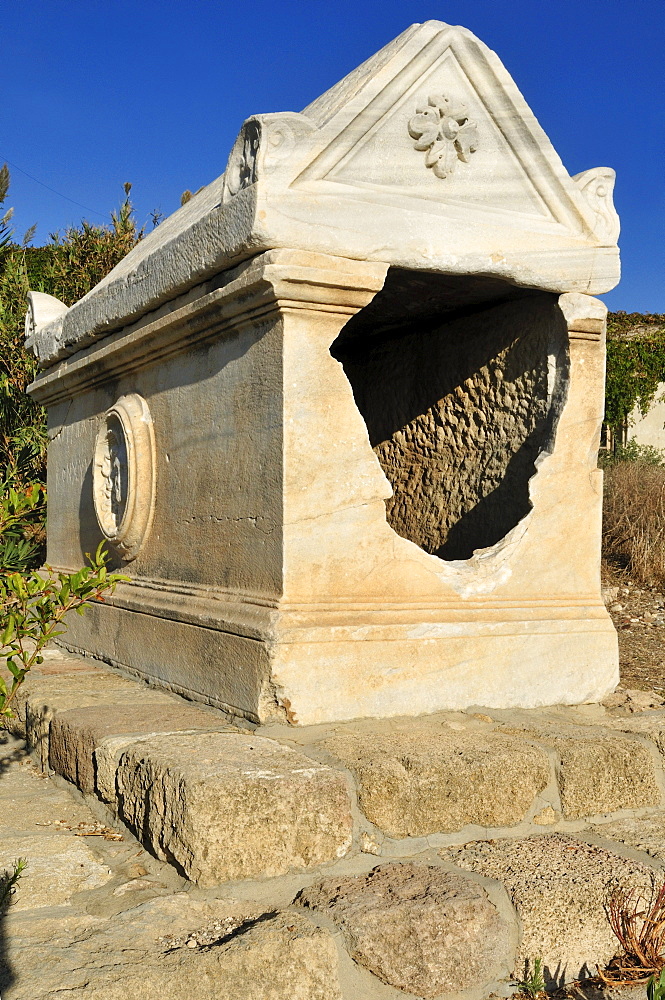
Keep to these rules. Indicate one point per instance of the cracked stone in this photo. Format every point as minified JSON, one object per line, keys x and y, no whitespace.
{"x":418,"y":928}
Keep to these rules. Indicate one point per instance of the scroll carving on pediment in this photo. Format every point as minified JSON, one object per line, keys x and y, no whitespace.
{"x":241,"y":168}
{"x":42,"y":309}
{"x":265,"y":144}
{"x":445,"y":132}
{"x":597,"y":186}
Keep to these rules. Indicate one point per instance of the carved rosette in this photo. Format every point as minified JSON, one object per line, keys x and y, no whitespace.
{"x":123,"y":476}
{"x":444,"y":129}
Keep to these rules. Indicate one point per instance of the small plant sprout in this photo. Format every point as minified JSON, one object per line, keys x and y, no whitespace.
{"x":533,"y":984}
{"x":656,"y":987}
{"x":9,"y":881}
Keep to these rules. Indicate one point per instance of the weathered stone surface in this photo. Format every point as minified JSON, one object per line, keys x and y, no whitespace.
{"x":508,"y":394}
{"x":283,"y":957}
{"x":559,"y":886}
{"x":628,"y":701}
{"x":644,"y":833}
{"x":59,"y":866}
{"x":233,"y":806}
{"x":106,"y":759}
{"x":601,"y":770}
{"x":417,"y":783}
{"x":22,"y":810}
{"x":143,"y":953}
{"x":80,"y":925}
{"x":75,"y":734}
{"x":47,"y":694}
{"x":649,"y":724}
{"x":419,"y":928}
{"x":604,"y":775}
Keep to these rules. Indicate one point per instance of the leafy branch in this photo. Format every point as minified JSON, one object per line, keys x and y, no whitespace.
{"x":32,"y":610}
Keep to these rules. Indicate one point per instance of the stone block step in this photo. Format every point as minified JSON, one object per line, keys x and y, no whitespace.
{"x":420,"y":782}
{"x":419,"y":928}
{"x":227,"y":806}
{"x":224,"y":803}
{"x":599,"y":770}
{"x":76,"y":733}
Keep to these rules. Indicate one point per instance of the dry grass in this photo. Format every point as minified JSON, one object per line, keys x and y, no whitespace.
{"x":639,"y":925}
{"x":634,"y":520}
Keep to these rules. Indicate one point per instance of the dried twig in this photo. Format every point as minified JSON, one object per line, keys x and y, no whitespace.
{"x":639,"y":926}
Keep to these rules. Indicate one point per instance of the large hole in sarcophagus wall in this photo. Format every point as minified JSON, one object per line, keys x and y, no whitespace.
{"x":460,"y":381}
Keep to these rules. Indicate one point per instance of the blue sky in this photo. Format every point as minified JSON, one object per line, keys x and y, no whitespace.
{"x":98,"y":92}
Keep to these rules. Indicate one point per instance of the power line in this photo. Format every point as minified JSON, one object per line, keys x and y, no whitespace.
{"x":52,"y":190}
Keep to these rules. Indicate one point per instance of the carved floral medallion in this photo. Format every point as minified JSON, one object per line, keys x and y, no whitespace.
{"x":444,"y":129}
{"x":123,"y":478}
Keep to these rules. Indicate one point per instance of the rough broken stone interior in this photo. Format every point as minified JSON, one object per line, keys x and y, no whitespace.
{"x":460,"y":383}
{"x":337,"y":420}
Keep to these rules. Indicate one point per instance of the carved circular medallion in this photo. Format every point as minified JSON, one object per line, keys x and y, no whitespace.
{"x":123,"y":475}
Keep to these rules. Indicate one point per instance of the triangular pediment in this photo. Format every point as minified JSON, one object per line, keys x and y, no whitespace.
{"x":425,"y":158}
{"x":436,"y":118}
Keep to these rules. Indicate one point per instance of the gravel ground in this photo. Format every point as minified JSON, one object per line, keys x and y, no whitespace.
{"x":638,"y":614}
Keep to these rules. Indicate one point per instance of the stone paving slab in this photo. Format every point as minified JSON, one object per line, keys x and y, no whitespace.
{"x":649,"y":724}
{"x":60,"y":867}
{"x":419,"y":928}
{"x":281,"y":956}
{"x":559,"y":886}
{"x":641,"y":833}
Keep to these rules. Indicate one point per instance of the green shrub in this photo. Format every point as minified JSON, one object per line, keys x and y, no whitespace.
{"x":656,"y":987}
{"x":67,"y":267}
{"x":632,"y":451}
{"x":533,"y":984}
{"x":22,"y":534}
{"x":635,"y":365}
{"x":33,"y":607}
{"x":9,"y":880}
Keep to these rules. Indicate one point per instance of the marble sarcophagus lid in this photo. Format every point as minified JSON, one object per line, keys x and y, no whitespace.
{"x":338,"y":416}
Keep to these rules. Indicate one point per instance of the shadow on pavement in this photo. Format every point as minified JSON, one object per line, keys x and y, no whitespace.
{"x":12,"y":750}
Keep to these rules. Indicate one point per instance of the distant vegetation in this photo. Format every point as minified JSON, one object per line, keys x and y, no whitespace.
{"x":68,"y":266}
{"x":635,"y":366}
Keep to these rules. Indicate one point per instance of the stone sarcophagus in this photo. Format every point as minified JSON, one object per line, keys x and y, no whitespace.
{"x":338,"y":416}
